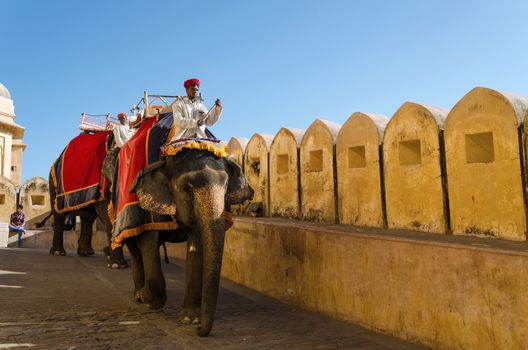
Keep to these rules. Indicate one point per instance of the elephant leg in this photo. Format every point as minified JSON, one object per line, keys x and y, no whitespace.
{"x":116,"y":259}
{"x":57,"y":247}
{"x":138,"y":273}
{"x":192,"y":300}
{"x":153,"y":293}
{"x":84,"y":245}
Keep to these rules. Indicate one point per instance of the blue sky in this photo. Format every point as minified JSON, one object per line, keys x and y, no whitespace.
{"x":273,"y":63}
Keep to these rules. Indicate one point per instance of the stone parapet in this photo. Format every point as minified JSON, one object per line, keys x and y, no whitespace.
{"x":448,"y":292}
{"x":4,"y":234}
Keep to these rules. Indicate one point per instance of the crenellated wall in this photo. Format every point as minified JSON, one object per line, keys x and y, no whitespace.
{"x":427,"y":169}
{"x":442,"y":174}
{"x":34,"y":196}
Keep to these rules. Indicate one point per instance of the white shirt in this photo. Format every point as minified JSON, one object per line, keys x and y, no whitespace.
{"x":186,"y":115}
{"x":122,"y":133}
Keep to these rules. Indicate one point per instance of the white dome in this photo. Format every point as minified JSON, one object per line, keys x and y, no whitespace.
{"x":4,"y":92}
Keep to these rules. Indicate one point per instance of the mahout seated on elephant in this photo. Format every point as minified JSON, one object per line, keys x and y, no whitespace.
{"x":81,"y":162}
{"x":201,"y":185}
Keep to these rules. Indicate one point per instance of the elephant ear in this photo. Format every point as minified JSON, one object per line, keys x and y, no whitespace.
{"x":109,"y":164}
{"x":238,"y":189}
{"x":153,"y":190}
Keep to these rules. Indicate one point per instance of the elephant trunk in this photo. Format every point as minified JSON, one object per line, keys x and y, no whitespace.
{"x":209,"y":210}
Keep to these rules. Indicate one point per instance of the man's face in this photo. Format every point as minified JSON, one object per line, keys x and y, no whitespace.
{"x":19,"y":210}
{"x":192,"y":91}
{"x":122,"y":120}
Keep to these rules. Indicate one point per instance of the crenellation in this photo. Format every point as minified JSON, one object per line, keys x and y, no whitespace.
{"x":484,"y":165}
{"x":256,"y":168}
{"x":284,"y":173}
{"x":317,"y":166}
{"x":412,"y":169}
{"x":359,"y":170}
{"x":425,"y":169}
{"x":34,"y":196}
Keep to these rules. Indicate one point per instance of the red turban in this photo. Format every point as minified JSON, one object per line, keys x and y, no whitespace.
{"x":191,"y":82}
{"x":122,"y":115}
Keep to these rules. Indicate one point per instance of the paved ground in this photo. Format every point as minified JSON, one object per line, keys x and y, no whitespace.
{"x":77,"y":303}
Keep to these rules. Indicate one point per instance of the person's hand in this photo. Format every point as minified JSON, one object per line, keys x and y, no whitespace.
{"x":218,"y":102}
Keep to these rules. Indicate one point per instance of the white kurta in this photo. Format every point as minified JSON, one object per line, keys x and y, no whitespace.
{"x":122,"y":133}
{"x":187,"y":113}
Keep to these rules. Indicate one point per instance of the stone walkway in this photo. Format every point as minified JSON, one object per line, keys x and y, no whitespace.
{"x":77,"y":303}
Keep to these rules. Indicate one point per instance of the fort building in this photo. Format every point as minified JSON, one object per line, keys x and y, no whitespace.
{"x":11,"y":144}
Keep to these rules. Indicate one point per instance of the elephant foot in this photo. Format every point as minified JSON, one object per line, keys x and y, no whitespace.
{"x":116,"y":259}
{"x":117,"y":264}
{"x":85,"y":251}
{"x":137,"y":296}
{"x":188,"y":316}
{"x":107,"y":251}
{"x":57,"y":252}
{"x":153,"y":302}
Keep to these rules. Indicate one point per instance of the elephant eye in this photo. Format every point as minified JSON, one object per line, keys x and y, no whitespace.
{"x":187,"y":188}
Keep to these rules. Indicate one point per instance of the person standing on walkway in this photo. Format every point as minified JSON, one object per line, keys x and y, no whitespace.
{"x":17,"y":222}
{"x":190,"y":114}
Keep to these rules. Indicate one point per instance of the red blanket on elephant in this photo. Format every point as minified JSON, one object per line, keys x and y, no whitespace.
{"x":76,"y":174}
{"x":142,"y":149}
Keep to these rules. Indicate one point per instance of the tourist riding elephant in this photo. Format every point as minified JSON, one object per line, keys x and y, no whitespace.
{"x":198,"y":187}
{"x":88,"y":215}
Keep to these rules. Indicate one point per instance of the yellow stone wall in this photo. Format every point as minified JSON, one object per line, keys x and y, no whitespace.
{"x":7,"y":199}
{"x":412,"y":168}
{"x":358,"y":170}
{"x":472,"y":197}
{"x":445,"y":295}
{"x":236,"y":148}
{"x":484,"y":165}
{"x":34,"y":196}
{"x":318,"y":200}
{"x":284,"y":173}
{"x":256,"y":168}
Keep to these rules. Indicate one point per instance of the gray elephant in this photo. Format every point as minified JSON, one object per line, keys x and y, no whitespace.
{"x":88,"y":215}
{"x":201,"y":186}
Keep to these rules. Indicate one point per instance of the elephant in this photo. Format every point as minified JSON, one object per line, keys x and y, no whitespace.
{"x":88,"y":216}
{"x":202,"y":186}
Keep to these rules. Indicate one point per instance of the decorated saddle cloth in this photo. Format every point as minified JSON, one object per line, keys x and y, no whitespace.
{"x":144,"y":148}
{"x":76,"y":174}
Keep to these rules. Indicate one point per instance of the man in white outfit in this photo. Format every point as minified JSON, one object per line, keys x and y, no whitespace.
{"x":122,"y":132}
{"x":190,"y":114}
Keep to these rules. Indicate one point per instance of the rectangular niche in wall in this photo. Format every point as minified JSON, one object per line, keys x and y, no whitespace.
{"x":37,"y":200}
{"x":254,"y":163}
{"x":2,"y":199}
{"x":410,"y":152}
{"x":282,"y":163}
{"x":356,"y":157}
{"x":479,"y":148}
{"x":316,"y":161}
